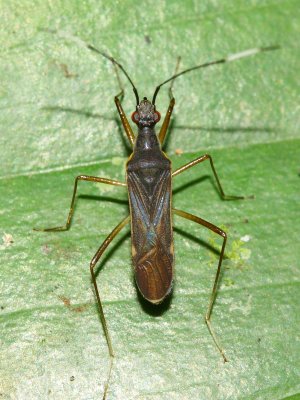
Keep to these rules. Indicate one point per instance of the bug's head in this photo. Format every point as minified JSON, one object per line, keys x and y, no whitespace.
{"x":145,"y":114}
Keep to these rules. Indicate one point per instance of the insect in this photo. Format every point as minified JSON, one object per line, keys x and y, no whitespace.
{"x":149,"y":184}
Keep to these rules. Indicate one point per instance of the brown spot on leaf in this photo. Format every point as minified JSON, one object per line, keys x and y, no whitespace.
{"x":65,"y":300}
{"x":67,"y":73}
{"x":79,"y":308}
{"x":46,"y":249}
{"x":67,"y":303}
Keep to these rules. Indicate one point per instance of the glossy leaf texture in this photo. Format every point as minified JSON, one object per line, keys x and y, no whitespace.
{"x":58,"y":120}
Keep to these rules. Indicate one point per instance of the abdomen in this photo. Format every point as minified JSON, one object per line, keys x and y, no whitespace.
{"x":149,"y":191}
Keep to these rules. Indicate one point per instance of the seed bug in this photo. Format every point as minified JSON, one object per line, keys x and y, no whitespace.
{"x":148,"y":182}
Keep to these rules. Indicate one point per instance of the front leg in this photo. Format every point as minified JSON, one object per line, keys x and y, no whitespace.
{"x":198,"y":161}
{"x":71,"y":212}
{"x":124,"y":120}
{"x":165,"y":125}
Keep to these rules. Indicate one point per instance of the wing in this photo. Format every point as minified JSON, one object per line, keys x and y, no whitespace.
{"x":151,"y":231}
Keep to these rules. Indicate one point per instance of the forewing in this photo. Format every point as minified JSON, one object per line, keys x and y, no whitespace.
{"x":151,"y":226}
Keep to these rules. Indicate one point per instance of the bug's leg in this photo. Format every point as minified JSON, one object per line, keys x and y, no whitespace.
{"x":124,"y":120}
{"x":71,"y":212}
{"x":118,"y":100}
{"x":93,"y":263}
{"x":122,"y":93}
{"x":165,"y":125}
{"x":198,"y":161}
{"x":119,"y":96}
{"x":221,"y":233}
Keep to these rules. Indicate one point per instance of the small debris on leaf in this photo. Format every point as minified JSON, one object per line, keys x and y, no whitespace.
{"x":7,"y":241}
{"x":178,"y":152}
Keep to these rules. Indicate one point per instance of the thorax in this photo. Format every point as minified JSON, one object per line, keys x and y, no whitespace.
{"x":147,"y":155}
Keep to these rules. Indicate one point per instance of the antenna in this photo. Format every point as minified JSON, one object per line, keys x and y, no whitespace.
{"x":232,"y":57}
{"x":90,"y":47}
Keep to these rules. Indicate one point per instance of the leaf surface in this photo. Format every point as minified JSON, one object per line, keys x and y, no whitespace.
{"x":58,"y":121}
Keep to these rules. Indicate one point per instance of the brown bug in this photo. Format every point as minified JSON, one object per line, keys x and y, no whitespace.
{"x":148,"y":181}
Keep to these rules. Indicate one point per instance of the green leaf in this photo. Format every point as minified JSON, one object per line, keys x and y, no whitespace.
{"x":59,"y":120}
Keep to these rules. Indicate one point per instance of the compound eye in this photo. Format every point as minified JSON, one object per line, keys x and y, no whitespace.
{"x":156,"y":116}
{"x":135,"y":117}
